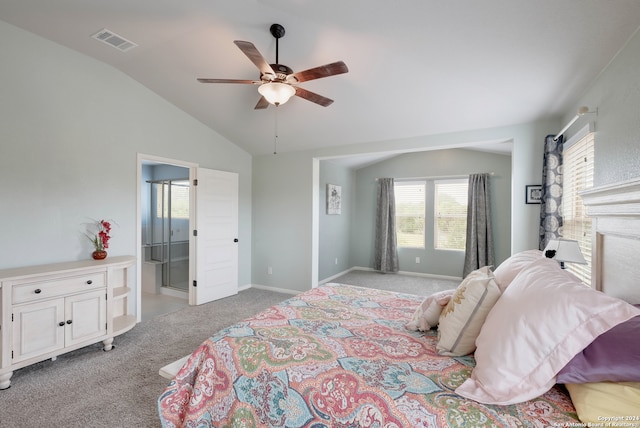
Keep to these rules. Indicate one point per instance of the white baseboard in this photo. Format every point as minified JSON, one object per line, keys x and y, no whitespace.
{"x":331,"y":278}
{"x":269,"y":288}
{"x":431,"y":275}
{"x":244,"y":287}
{"x":426,"y":275}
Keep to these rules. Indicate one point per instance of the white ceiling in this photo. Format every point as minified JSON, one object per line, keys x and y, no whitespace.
{"x":416,"y":67}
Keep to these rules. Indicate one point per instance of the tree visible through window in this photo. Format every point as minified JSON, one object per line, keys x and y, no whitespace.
{"x":451,"y":214}
{"x":410,"y":213}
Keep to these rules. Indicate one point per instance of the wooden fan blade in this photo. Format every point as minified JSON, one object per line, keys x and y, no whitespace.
{"x":313,"y":97}
{"x":247,"y":82}
{"x":255,"y":56}
{"x":262,"y":104}
{"x":319,"y":72}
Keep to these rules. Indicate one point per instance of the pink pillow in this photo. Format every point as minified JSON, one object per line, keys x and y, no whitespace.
{"x":508,"y":269}
{"x":427,"y":314}
{"x":542,"y":320}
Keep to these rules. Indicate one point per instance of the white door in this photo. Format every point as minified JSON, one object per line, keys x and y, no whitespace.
{"x":216,"y":223}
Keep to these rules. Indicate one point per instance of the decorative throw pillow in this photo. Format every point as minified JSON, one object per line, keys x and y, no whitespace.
{"x":462,"y":318}
{"x":542,"y":320}
{"x":508,"y":269}
{"x":602,"y":402}
{"x":613,"y":356}
{"x":427,"y":314}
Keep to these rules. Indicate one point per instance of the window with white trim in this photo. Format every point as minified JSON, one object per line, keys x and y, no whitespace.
{"x":451,"y":214}
{"x":410,"y":213}
{"x":578,"y":176}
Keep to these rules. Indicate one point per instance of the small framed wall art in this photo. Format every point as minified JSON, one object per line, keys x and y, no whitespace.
{"x":334,"y":199}
{"x":533,"y":194}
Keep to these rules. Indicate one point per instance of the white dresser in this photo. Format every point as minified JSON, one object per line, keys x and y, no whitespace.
{"x":51,"y":309}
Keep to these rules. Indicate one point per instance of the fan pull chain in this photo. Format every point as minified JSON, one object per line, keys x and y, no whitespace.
{"x":275,"y":137}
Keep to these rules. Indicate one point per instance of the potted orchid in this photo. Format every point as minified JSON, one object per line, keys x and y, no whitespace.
{"x":100,"y":239}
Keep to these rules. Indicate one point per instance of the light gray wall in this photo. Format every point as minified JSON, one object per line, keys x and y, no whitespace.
{"x":334,"y":238}
{"x":282,"y":219}
{"x":70,"y":131}
{"x":70,"y":128}
{"x":286,"y":198}
{"x":616,"y":95}
{"x":432,"y":164}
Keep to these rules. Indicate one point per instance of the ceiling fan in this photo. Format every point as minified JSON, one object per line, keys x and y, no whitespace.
{"x":278,"y":82}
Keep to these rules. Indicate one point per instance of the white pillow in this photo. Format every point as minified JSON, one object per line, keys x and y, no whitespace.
{"x":462,"y":318}
{"x":508,"y":269}
{"x":427,"y":314}
{"x":542,"y":320}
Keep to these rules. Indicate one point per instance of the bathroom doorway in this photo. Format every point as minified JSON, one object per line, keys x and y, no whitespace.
{"x":180,"y":239}
{"x":168,"y":234}
{"x":165,"y":216}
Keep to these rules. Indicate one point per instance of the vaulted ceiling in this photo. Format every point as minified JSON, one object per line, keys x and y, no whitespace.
{"x":416,"y":67}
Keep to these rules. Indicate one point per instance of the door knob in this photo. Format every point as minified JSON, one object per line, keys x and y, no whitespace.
{"x":235,"y":240}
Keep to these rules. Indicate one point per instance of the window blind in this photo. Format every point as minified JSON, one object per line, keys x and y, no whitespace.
{"x":451,"y":214}
{"x":578,"y":176}
{"x":410,"y":213}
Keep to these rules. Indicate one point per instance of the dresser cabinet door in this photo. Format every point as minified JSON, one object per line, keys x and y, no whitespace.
{"x":38,"y":328}
{"x":86,"y":317}
{"x":50,"y":325}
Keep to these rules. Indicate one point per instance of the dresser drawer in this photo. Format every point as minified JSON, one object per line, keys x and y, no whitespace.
{"x":32,"y":291}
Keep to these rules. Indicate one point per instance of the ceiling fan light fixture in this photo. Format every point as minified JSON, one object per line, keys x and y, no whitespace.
{"x":276,"y":93}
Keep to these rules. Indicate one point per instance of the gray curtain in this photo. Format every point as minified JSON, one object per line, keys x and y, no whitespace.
{"x":479,"y":247}
{"x":551,"y":196}
{"x":386,"y":249}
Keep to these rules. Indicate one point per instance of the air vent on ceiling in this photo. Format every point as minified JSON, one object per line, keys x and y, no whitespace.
{"x":114,"y":40}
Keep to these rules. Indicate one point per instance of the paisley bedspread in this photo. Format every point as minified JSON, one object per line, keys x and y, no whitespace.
{"x":337,"y":356}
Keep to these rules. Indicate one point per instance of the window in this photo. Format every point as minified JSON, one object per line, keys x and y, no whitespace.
{"x":451,"y":214}
{"x":578,"y":176}
{"x":179,"y":194}
{"x":410,"y":213}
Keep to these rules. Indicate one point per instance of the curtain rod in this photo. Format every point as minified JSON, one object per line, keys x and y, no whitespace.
{"x":437,"y":177}
{"x":581,"y":112}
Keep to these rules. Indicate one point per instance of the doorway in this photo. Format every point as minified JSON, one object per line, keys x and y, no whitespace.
{"x":166,"y":234}
{"x":180,"y":239}
{"x":164,"y":201}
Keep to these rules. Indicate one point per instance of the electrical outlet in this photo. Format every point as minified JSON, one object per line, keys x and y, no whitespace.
{"x":417,"y":259}
{"x":270,"y":270}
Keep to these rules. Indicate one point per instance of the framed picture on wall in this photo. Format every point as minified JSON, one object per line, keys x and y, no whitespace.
{"x":334,"y":199}
{"x":533,"y":194}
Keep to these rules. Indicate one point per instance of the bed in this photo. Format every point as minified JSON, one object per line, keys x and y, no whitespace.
{"x":346,"y":356}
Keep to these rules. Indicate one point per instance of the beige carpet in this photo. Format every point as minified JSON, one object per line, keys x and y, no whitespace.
{"x":120,"y":388}
{"x":412,"y":284}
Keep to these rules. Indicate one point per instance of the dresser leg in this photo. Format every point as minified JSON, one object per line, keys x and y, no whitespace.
{"x":108,"y":344}
{"x":5,"y":380}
